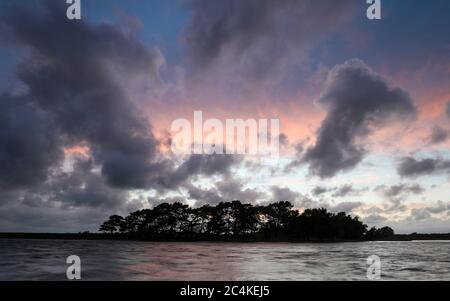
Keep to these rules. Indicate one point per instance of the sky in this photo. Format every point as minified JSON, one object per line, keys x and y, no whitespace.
{"x":87,"y":107}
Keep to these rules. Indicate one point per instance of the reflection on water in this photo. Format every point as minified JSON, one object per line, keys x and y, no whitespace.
{"x":124,"y":260}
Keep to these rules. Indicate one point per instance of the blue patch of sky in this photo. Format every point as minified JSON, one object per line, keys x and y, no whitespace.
{"x":162,"y":24}
{"x":162,"y":21}
{"x":410,"y":30}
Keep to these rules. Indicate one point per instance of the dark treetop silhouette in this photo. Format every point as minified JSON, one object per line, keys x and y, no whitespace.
{"x":237,"y":221}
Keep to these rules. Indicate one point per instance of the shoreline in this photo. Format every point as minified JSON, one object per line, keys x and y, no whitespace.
{"x":108,"y":237}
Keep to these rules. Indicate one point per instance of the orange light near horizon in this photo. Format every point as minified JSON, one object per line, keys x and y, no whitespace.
{"x":77,"y":150}
{"x":435,"y":107}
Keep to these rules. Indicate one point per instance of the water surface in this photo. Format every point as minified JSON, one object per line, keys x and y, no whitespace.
{"x":125,"y":260}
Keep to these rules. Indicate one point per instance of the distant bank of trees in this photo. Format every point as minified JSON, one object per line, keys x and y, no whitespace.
{"x":237,"y":221}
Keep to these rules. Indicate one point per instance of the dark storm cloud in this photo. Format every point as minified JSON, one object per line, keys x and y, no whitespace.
{"x":29,"y":143}
{"x":85,"y":188}
{"x":441,"y":207}
{"x":171,"y":177}
{"x":68,"y":201}
{"x":283,"y":139}
{"x":74,"y":77}
{"x":410,"y":167}
{"x":153,"y":202}
{"x":299,"y":200}
{"x":233,"y":189}
{"x":299,"y":151}
{"x":438,"y":135}
{"x":19,"y":218}
{"x":345,"y":190}
{"x":419,"y":214}
{"x":339,"y":191}
{"x":81,"y":187}
{"x":226,"y":190}
{"x":346,"y":207}
{"x":258,"y":34}
{"x":71,"y":74}
{"x":400,"y":190}
{"x":209,"y":196}
{"x":284,"y":194}
{"x":319,"y":190}
{"x":208,"y":165}
{"x":397,"y":194}
{"x":356,"y":99}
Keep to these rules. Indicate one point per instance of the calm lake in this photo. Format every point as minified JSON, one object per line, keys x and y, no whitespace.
{"x":125,"y":260}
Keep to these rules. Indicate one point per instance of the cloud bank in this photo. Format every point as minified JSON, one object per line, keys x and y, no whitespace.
{"x":356,"y":100}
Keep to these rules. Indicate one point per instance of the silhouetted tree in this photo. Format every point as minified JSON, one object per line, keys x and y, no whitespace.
{"x":347,"y":227}
{"x":221,"y":220}
{"x":203,"y":215}
{"x":316,"y":224}
{"x":235,"y":220}
{"x":383,"y":233}
{"x":114,"y":224}
{"x":276,"y":217}
{"x":168,"y":219}
{"x":133,"y":222}
{"x":245,"y":219}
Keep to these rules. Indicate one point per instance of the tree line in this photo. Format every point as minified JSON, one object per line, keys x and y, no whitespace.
{"x":237,"y":221}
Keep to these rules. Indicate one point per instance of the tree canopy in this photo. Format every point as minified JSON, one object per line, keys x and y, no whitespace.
{"x":238,"y":221}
